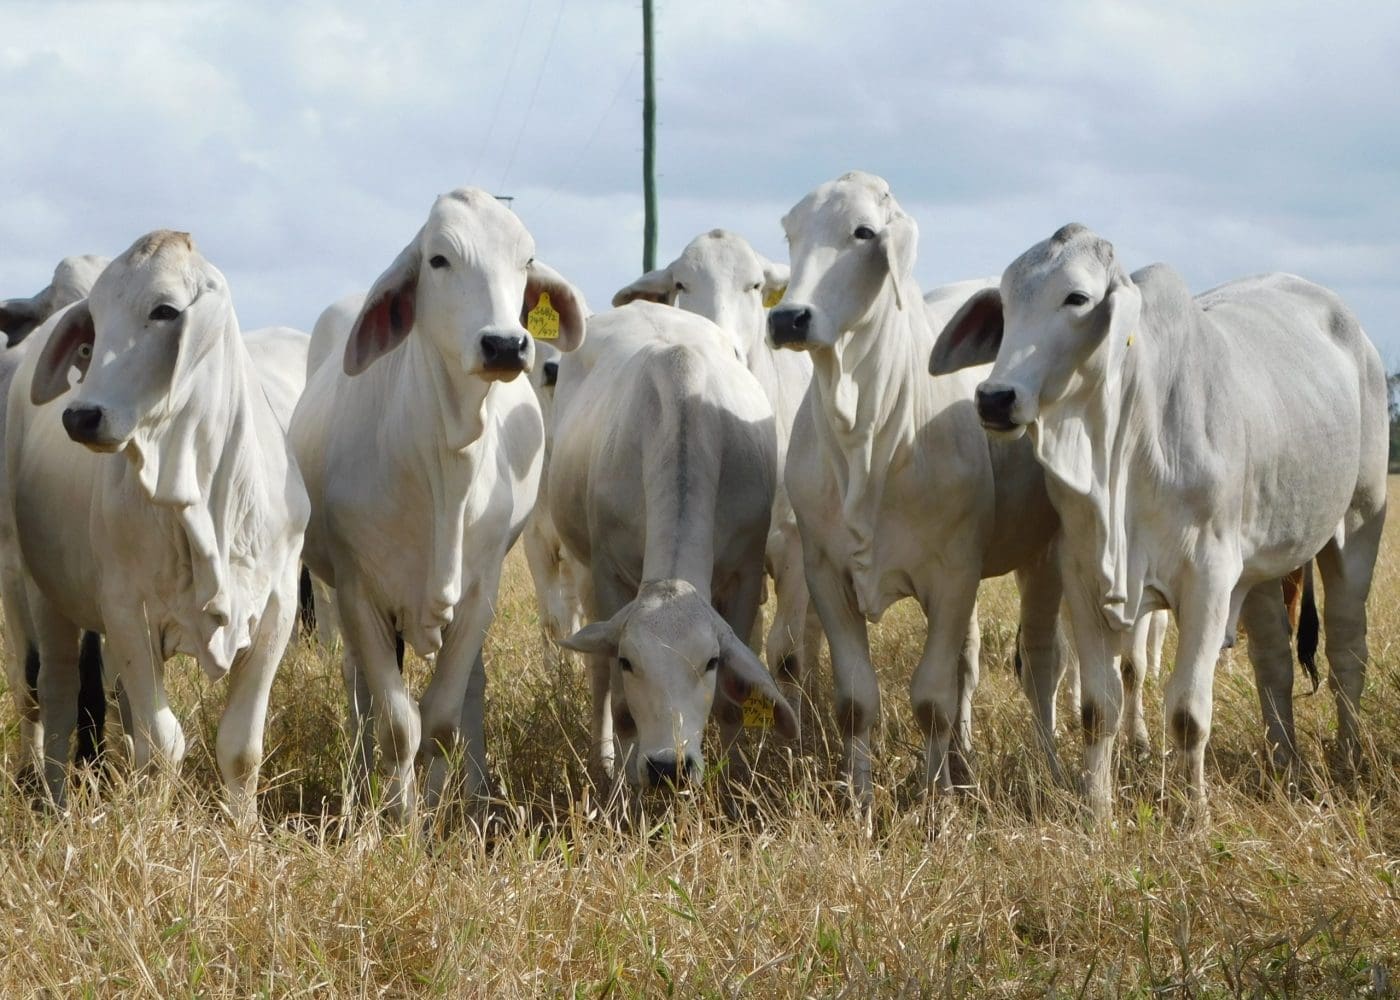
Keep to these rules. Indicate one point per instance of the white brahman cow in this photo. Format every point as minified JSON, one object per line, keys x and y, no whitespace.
{"x":559,"y":581}
{"x":72,"y":279}
{"x":421,"y":449}
{"x":177,"y":527}
{"x":71,"y":282}
{"x":719,"y":276}
{"x":897,"y":489}
{"x":661,"y":483}
{"x":1197,"y":450}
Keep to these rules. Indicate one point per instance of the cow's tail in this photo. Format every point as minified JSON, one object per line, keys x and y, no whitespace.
{"x":1308,"y":628}
{"x":1017,"y":663}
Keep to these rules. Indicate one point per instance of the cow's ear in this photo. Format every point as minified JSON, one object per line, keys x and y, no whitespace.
{"x":775,"y":281}
{"x":19,"y":317}
{"x":657,"y":286}
{"x":387,"y":315}
{"x":972,"y":337}
{"x":1122,"y":308}
{"x":898,"y":243}
{"x":566,"y":300}
{"x":69,"y":346}
{"x":743,"y":676}
{"x":599,"y":638}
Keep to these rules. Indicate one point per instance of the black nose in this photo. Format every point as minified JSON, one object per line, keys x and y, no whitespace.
{"x":994,"y":407}
{"x":789,"y":325}
{"x":666,"y":769}
{"x":503,"y":354}
{"x":82,"y":423}
{"x":551,"y":372}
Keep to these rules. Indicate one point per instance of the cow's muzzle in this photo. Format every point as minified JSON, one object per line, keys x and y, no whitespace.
{"x":789,"y":325}
{"x":504,"y":354}
{"x":84,"y":425}
{"x":670,"y":769}
{"x":995,"y":406}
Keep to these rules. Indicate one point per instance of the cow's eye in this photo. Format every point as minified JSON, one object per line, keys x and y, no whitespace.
{"x":680,"y":288}
{"x":164,"y":313}
{"x":438,"y":262}
{"x":84,"y":351}
{"x":1076,"y":299}
{"x":864,"y":233}
{"x":713,"y":665}
{"x":757,"y":285}
{"x":624,"y":664}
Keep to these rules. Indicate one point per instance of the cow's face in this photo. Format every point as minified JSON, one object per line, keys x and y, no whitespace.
{"x":150,"y":319}
{"x":673,"y":655}
{"x":852,"y":251}
{"x":466,"y":284}
{"x":1064,"y":310}
{"x":543,"y":378}
{"x":718,"y":276}
{"x":72,"y":280}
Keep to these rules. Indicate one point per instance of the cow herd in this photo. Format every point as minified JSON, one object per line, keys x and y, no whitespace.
{"x":1122,"y":447}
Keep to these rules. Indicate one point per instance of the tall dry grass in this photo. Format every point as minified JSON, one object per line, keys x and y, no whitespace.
{"x":142,"y":889}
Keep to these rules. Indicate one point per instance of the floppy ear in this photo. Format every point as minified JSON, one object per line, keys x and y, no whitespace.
{"x":898,"y":242}
{"x":655,"y":286}
{"x":19,"y":317}
{"x":1122,"y":306}
{"x":387,"y":315}
{"x":775,"y":281}
{"x":565,"y":299}
{"x":741,"y":673}
{"x":972,"y":336}
{"x":600,"y":638}
{"x":69,"y":346}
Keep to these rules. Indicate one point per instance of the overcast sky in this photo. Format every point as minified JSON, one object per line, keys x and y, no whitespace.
{"x":302,"y":144}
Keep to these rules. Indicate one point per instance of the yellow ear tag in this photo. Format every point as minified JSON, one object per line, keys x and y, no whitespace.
{"x":774,"y":297}
{"x":1130,"y":339}
{"x":758,"y":711}
{"x":543,"y":320}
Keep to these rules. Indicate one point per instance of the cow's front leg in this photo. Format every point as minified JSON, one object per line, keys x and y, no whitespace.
{"x":1101,"y":690}
{"x":1041,"y":649}
{"x":444,"y":704}
{"x":857,"y":690}
{"x":56,"y":691}
{"x":157,"y":739}
{"x":239,"y":745}
{"x":937,"y":688}
{"x":1202,"y":616}
{"x":370,"y":640}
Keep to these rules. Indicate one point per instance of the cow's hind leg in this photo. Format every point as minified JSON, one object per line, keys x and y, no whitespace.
{"x":1264,"y":616}
{"x":788,"y":650}
{"x":92,"y":701}
{"x":1134,"y":669}
{"x":1346,"y":569}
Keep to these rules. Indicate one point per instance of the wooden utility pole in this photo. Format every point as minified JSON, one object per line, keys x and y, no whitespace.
{"x":648,"y":141}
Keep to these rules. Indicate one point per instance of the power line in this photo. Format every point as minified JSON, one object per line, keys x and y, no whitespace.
{"x":501,"y":92}
{"x":579,"y":157}
{"x":539,"y":78}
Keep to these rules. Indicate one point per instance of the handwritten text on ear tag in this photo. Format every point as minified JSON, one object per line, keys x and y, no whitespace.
{"x":774,"y":297}
{"x":543,"y":320}
{"x":758,"y":711}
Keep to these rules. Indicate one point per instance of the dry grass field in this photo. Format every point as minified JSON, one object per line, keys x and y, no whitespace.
{"x":142,"y":889}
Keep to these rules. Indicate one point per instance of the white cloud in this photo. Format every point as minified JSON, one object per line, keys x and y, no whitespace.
{"x":302,"y":144}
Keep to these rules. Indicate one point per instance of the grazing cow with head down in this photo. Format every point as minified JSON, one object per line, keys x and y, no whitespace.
{"x":661,"y":483}
{"x":1197,"y":449}
{"x":176,"y":528}
{"x":421,"y":447}
{"x":897,"y":489}
{"x":719,"y":276}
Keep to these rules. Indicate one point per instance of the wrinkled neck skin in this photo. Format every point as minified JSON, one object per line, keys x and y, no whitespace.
{"x":1093,"y":481}
{"x":438,"y":426}
{"x":869,"y":409}
{"x":204,"y":461}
